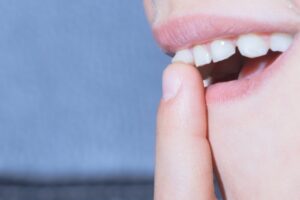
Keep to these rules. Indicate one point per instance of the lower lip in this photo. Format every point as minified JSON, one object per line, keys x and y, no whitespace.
{"x":243,"y":88}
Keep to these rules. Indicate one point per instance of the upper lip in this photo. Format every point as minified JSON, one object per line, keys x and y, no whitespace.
{"x":186,"y":31}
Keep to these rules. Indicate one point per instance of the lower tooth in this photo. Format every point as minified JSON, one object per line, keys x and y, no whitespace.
{"x":252,"y":46}
{"x":207,"y":82}
{"x":254,"y":67}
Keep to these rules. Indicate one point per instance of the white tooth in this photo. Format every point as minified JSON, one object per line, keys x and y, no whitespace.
{"x":185,"y":56}
{"x":207,"y":82}
{"x":252,"y":46}
{"x":201,"y":55}
{"x":281,"y":41}
{"x":221,"y":50}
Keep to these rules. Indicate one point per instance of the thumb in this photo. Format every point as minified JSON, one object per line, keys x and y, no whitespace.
{"x":183,"y":156}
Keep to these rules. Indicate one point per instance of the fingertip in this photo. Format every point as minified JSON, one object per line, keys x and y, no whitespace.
{"x":172,"y":81}
{"x":183,"y":98}
{"x":180,"y":74}
{"x":188,"y":71}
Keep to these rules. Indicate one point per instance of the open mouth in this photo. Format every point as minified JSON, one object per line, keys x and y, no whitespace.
{"x":233,"y":56}
{"x":231,"y":59}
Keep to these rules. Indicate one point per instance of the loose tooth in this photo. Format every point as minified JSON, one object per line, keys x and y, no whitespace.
{"x":201,"y":55}
{"x":207,"y":82}
{"x":185,"y":56}
{"x":252,"y":46}
{"x":221,"y":50}
{"x":281,"y":41}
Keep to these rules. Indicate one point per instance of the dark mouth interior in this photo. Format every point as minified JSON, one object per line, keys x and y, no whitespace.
{"x":231,"y":68}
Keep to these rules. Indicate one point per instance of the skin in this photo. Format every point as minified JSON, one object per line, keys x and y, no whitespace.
{"x":253,"y":143}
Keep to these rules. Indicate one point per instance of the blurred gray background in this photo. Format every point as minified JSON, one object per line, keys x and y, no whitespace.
{"x":79,"y":85}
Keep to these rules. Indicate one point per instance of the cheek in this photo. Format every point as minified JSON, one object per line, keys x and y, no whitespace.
{"x":297,"y":3}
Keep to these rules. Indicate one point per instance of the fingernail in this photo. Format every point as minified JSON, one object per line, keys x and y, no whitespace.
{"x":171,"y":84}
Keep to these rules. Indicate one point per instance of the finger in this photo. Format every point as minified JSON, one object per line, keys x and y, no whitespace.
{"x":183,"y":157}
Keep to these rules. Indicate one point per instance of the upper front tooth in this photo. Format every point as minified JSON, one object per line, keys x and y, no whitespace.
{"x":221,"y":50}
{"x":252,"y":45}
{"x":280,"y":41}
{"x":185,"y":56}
{"x":201,"y":55}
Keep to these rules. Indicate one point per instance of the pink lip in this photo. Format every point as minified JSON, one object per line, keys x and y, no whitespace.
{"x":184,"y":32}
{"x":233,"y":90}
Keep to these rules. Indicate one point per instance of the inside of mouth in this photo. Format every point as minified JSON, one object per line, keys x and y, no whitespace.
{"x":236,"y":67}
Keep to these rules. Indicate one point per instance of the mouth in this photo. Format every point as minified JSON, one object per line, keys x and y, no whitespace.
{"x":233,"y":57}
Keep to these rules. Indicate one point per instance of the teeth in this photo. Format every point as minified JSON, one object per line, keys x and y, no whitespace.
{"x":249,"y":45}
{"x":201,"y":55}
{"x":280,"y":41}
{"x":221,"y":50}
{"x":185,"y":56}
{"x":207,"y":82}
{"x":252,"y":46}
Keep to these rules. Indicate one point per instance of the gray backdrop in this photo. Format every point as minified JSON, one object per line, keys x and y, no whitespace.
{"x":79,"y":85}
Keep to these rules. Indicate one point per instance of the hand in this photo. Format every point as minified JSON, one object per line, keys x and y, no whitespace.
{"x":183,"y":158}
{"x":256,"y":153}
